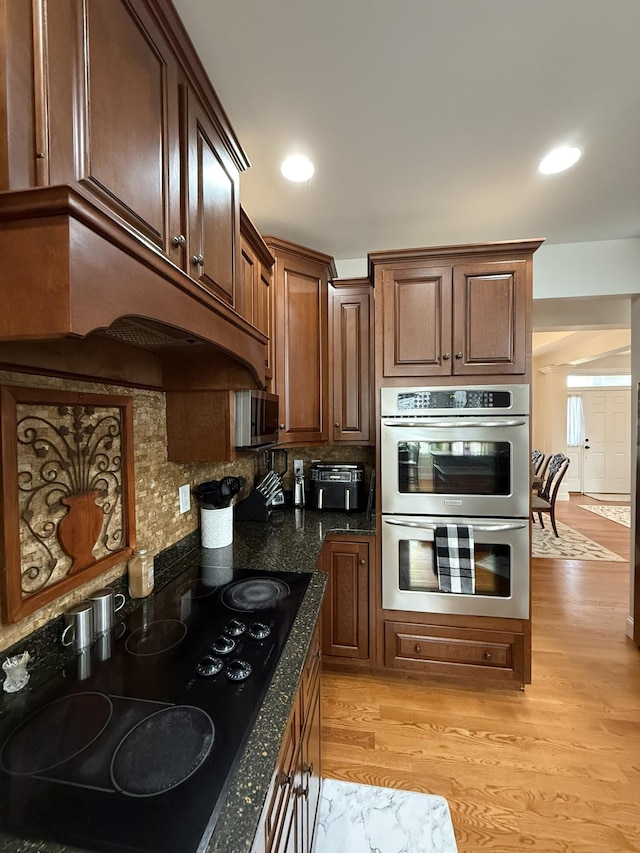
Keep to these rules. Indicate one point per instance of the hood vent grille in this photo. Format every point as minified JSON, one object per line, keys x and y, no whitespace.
{"x":145,"y":335}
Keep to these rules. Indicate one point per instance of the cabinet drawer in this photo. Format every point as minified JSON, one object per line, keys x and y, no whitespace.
{"x":450,"y":650}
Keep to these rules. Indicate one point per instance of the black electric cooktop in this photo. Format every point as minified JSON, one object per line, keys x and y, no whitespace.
{"x":130,"y":748}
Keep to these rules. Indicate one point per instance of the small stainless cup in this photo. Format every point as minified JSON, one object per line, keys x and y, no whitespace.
{"x":78,"y":631}
{"x":105,"y":603}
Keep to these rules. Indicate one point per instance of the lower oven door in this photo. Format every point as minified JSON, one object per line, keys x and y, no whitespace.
{"x":500,"y":567}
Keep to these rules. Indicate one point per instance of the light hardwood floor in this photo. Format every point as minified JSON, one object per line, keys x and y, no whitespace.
{"x":553,"y":769}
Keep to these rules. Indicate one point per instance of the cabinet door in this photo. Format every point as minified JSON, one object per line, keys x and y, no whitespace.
{"x":301,"y":347}
{"x":350,"y":312}
{"x":213,"y":204}
{"x":127,"y":122}
{"x":246,"y":288}
{"x":345,"y":613}
{"x":490,"y":308}
{"x":311,"y":770}
{"x":263,"y":313}
{"x":417,"y":321}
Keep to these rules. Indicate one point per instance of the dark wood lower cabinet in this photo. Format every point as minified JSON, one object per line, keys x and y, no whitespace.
{"x":345,"y":613}
{"x":288,"y":821}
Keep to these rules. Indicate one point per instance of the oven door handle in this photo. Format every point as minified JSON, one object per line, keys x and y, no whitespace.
{"x":481,"y":528}
{"x":430,"y":424}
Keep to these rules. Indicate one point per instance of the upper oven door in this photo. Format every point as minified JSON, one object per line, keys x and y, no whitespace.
{"x":456,"y":466}
{"x":410,"y":577}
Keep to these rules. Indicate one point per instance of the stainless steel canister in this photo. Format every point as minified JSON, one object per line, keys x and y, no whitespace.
{"x":78,"y":631}
{"x":105,"y":603}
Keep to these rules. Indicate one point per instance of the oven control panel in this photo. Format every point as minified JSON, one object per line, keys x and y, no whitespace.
{"x":472,"y":400}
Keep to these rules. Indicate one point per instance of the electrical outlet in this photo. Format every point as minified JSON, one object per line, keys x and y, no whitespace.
{"x":298,"y":468}
{"x":185,"y":498}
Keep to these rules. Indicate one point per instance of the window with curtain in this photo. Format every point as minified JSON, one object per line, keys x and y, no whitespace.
{"x":575,"y":421}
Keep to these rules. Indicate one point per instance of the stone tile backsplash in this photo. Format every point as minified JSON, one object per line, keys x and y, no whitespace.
{"x":158,"y":520}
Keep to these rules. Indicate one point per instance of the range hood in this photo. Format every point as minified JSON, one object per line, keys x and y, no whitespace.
{"x":77,"y":272}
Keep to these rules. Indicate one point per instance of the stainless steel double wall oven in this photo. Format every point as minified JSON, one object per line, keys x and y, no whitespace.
{"x":456,"y":455}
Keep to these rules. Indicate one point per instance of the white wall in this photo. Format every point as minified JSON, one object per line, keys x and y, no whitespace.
{"x":564,"y":270}
{"x":635,"y":380}
{"x":603,"y":268}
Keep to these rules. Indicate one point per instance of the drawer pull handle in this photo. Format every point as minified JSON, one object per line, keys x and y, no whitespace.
{"x":285,"y":779}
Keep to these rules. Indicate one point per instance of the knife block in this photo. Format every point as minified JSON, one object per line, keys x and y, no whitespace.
{"x":253,"y":508}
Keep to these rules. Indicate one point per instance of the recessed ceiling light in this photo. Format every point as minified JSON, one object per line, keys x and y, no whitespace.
{"x":297,"y":168}
{"x":559,"y":159}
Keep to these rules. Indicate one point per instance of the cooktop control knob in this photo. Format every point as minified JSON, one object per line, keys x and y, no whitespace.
{"x":235,"y":628}
{"x":238,"y":670}
{"x":223,"y":645}
{"x":259,"y":631}
{"x":209,"y":666}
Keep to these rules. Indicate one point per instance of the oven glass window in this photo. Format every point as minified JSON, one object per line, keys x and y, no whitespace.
{"x":418,"y":572}
{"x":454,"y":467}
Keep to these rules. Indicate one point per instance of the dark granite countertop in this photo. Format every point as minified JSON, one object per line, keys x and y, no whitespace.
{"x":291,"y":541}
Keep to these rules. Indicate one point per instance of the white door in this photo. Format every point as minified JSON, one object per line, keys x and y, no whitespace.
{"x":606,"y":454}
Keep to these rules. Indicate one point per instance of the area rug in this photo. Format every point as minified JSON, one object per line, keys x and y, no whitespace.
{"x":619,"y":514}
{"x":569,"y":545}
{"x":602,"y":496}
{"x":358,"y":818}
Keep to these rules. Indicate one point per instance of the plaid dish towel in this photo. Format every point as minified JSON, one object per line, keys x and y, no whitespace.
{"x":454,"y":558}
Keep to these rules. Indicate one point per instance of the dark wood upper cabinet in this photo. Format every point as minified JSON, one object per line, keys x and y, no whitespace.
{"x":489,"y":311}
{"x":301,"y":282}
{"x":416,"y":308}
{"x":127,"y":116}
{"x":213,"y":241}
{"x":254,"y":286}
{"x":350,"y":371}
{"x":454,"y":311}
{"x":110,"y":122}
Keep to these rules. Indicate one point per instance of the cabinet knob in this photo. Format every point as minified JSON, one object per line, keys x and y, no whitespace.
{"x":487,"y":655}
{"x":180,"y":240}
{"x":337,"y":425}
{"x":281,"y":426}
{"x":446,"y":356}
{"x":197,"y":261}
{"x":363,"y":562}
{"x":417,"y":648}
{"x":458,"y":355}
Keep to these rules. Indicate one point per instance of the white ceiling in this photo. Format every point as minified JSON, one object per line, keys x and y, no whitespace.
{"x":426,"y":118}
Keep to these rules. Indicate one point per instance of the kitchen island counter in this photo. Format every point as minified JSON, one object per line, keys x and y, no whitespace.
{"x":290,"y":542}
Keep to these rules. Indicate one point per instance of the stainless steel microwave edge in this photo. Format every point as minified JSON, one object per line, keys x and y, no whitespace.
{"x":257,"y":418}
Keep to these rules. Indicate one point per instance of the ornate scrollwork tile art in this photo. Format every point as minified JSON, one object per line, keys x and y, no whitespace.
{"x":70,"y":491}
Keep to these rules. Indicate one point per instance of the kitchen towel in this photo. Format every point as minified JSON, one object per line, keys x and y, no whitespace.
{"x":454,"y":558}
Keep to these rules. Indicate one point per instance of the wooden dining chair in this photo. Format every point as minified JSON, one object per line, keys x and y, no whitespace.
{"x":537,"y":458}
{"x":545,"y":500}
{"x":537,"y":462}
